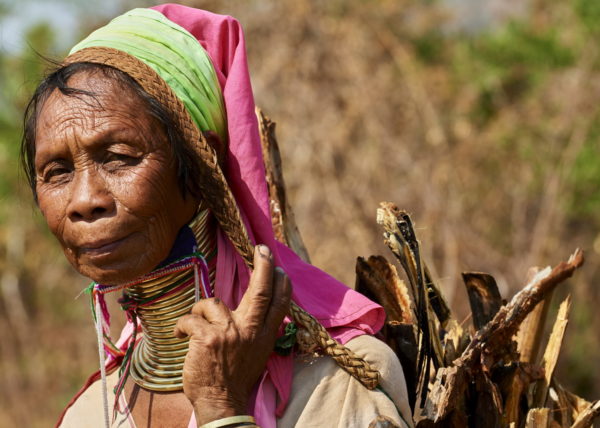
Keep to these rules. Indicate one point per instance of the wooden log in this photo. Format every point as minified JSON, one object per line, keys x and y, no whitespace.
{"x":282,"y":216}
{"x":400,"y":238}
{"x":455,"y":340}
{"x":506,"y":322}
{"x":538,"y":418}
{"x":492,"y":340}
{"x":551,"y":353}
{"x":484,"y":297}
{"x":485,"y":401}
{"x":529,"y":337}
{"x":395,"y":287}
{"x":429,"y":303}
{"x":513,"y":381}
{"x":402,"y":339}
{"x":586,"y":418}
{"x":561,"y":406}
{"x":377,"y":277}
{"x":369,"y":280}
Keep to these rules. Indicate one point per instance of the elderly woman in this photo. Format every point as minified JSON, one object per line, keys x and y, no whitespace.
{"x":143,"y":153}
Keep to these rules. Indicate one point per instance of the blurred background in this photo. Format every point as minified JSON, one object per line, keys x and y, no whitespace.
{"x":481,"y":118}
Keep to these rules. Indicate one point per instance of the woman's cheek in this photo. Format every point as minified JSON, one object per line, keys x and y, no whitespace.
{"x":140,"y":190}
{"x":52,"y":204}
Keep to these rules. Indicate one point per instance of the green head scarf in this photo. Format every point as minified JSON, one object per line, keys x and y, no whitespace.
{"x":175,"y":55}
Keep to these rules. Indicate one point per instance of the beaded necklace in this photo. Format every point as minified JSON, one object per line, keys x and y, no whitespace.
{"x":156,"y":301}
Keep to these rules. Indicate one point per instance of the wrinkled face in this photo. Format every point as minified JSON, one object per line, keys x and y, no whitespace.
{"x":106,"y":180}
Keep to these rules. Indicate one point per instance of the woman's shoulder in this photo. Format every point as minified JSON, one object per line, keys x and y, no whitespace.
{"x":86,"y":411}
{"x":325,"y":395}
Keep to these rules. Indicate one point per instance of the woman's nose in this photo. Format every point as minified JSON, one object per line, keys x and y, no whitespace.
{"x":90,"y":199}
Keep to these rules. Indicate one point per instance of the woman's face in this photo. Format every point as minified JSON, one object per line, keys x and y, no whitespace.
{"x":106,"y":180}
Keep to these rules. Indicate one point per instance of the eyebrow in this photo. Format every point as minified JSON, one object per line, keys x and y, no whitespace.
{"x":101,"y":139}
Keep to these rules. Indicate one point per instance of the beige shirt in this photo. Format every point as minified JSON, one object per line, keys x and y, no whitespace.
{"x":323,"y":395}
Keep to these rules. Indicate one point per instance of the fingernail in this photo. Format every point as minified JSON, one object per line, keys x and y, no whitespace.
{"x":264,"y":251}
{"x":280,"y":271}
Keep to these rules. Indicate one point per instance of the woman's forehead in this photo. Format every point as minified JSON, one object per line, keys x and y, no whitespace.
{"x":109,"y":110}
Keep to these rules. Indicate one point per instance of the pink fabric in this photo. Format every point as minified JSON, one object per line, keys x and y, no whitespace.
{"x":344,"y":312}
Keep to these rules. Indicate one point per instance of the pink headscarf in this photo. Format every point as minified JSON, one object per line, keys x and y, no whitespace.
{"x":345,"y":313}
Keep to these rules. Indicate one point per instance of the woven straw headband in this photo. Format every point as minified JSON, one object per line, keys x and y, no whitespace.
{"x":218,"y":196}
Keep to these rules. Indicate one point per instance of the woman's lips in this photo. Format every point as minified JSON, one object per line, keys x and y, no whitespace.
{"x":101,"y":247}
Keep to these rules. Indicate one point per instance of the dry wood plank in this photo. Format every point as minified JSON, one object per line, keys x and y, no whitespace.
{"x":514,"y":386}
{"x":587,"y":416}
{"x":484,"y":297}
{"x":402,"y":339}
{"x":454,"y":342}
{"x":396,"y":224}
{"x":552,"y":352}
{"x":508,"y":319}
{"x":530,"y":334}
{"x":561,"y":407}
{"x":381,"y":280}
{"x":497,"y":334}
{"x":537,"y":418}
{"x":282,"y":216}
{"x":372,"y":282}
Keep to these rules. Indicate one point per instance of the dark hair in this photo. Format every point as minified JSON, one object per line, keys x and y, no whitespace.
{"x":185,"y":157}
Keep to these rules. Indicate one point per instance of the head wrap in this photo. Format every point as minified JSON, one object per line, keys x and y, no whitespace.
{"x":174,"y":41}
{"x":173,"y":53}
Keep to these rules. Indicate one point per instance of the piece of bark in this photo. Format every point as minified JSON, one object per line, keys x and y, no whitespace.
{"x":379,"y":279}
{"x":446,"y":392}
{"x":508,"y":319}
{"x":401,"y":338}
{"x":454,"y":341}
{"x":395,"y":287}
{"x":401,"y":239}
{"x":484,"y":297}
{"x":397,"y":225}
{"x":497,"y":334}
{"x":530,"y":334}
{"x":552,"y":352}
{"x":484,"y":399}
{"x":537,"y":418}
{"x":587,"y":416}
{"x":561,"y":407}
{"x":282,"y":216}
{"x":370,"y":278}
{"x":577,"y":405}
{"x":513,"y":381}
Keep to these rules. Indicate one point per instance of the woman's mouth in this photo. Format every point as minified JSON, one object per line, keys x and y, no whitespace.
{"x":100,"y":247}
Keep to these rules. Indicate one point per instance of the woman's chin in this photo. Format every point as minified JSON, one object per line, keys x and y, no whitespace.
{"x":111,"y":272}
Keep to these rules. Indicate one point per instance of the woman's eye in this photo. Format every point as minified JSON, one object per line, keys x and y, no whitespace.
{"x":56,"y":174}
{"x":120,"y":159}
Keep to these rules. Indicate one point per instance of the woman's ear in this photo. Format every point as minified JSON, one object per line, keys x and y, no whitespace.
{"x":217,"y":145}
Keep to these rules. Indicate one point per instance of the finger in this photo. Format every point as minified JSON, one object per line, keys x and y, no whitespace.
{"x":256,"y":301}
{"x":212,"y":310}
{"x":280,"y":302}
{"x":189,"y":325}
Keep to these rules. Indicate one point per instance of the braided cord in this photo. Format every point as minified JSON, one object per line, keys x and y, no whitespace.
{"x":218,"y":195}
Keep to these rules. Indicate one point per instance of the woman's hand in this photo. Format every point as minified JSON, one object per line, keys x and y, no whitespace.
{"x":229,"y":349}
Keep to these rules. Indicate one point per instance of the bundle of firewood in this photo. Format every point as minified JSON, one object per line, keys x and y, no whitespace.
{"x":487,"y":376}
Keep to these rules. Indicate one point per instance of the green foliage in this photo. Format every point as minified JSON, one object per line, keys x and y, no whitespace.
{"x":588,"y":12}
{"x":520,"y":45}
{"x":429,"y":47}
{"x":584,"y":201}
